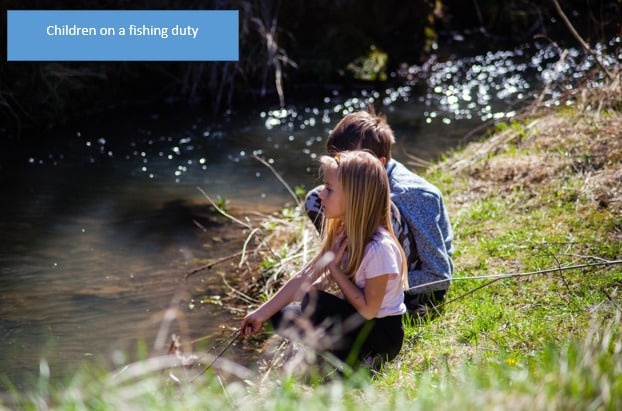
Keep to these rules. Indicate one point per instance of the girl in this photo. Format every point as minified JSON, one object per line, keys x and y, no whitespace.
{"x":361,"y":256}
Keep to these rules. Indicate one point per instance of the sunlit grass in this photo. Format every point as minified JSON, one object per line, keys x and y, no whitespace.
{"x":576,"y":374}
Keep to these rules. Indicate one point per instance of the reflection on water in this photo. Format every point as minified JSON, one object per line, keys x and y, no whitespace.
{"x":101,"y":224}
{"x":90,"y":261}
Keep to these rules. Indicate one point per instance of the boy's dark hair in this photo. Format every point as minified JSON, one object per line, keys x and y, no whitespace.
{"x":361,"y":130}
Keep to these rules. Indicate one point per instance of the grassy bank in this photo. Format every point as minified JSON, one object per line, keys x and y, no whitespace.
{"x":540,"y":197}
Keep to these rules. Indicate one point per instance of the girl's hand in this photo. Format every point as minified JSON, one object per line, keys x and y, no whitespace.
{"x":251,"y":324}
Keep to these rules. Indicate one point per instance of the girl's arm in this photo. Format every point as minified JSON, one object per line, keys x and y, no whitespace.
{"x":367,"y":301}
{"x":291,"y":291}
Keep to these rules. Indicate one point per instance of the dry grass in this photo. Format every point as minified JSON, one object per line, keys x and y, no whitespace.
{"x":583,"y":140}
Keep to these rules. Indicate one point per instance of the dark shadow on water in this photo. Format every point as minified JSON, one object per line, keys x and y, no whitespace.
{"x":176,"y":221}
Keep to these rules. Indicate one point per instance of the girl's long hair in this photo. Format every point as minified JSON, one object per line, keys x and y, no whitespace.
{"x":365,"y":186}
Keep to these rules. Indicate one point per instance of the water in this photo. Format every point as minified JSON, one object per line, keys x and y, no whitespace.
{"x":101,"y":224}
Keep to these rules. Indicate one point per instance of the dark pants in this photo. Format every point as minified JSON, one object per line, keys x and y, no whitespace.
{"x":347,"y":335}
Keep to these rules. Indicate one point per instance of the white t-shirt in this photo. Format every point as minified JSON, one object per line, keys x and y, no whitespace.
{"x":382,"y":256}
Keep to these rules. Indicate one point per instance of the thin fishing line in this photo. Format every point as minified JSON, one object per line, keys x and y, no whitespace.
{"x":498,"y":277}
{"x":501,"y":276}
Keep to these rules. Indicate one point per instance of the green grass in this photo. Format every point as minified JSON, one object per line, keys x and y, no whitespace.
{"x":547,"y":341}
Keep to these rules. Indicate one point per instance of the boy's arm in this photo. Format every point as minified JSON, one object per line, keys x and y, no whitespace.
{"x":426,"y":219}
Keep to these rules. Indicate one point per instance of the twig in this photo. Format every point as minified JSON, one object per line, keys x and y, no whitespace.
{"x":243,"y":252}
{"x":233,"y":337}
{"x":611,"y":300}
{"x":561,"y":274}
{"x":272,"y":361}
{"x":486,"y":148}
{"x":142,"y":368}
{"x":556,"y":70}
{"x":498,"y":277}
{"x":223,"y":212}
{"x":594,"y":257}
{"x":415,"y":160}
{"x":241,"y":294}
{"x":171,"y":314}
{"x":576,"y":35}
{"x":220,"y":260}
{"x":224,"y":390}
{"x":477,"y":130}
{"x":278,"y":176}
{"x":444,"y":303}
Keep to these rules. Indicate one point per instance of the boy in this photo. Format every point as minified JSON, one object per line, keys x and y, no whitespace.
{"x":419,"y":217}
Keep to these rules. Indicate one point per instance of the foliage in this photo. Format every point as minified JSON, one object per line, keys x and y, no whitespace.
{"x":371,"y":67}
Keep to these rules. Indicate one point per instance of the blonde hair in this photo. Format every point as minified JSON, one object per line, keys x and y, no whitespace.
{"x":365,"y":185}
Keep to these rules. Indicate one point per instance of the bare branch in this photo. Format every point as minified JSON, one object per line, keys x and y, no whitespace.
{"x":223,"y":212}
{"x":576,"y":35}
{"x":278,"y":176}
